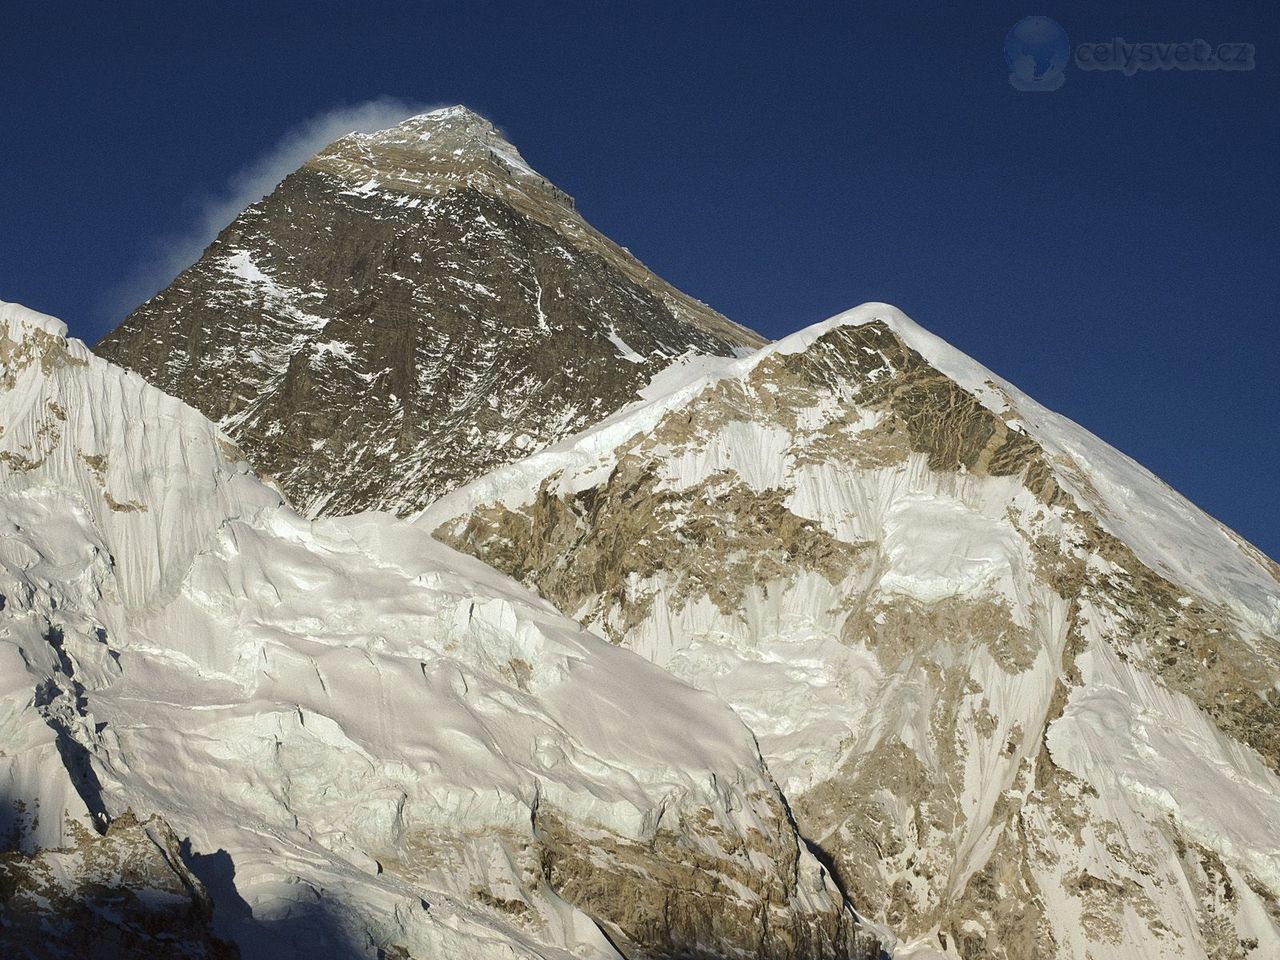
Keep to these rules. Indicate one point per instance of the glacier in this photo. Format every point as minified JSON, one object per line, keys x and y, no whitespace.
{"x":390,"y":743}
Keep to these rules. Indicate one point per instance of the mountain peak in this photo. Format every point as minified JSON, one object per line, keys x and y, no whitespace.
{"x":456,"y":117}
{"x":887,"y":559}
{"x":441,"y":130}
{"x":408,"y":309}
{"x":435,"y":151}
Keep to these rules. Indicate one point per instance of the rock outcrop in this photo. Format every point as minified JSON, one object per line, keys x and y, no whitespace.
{"x":124,"y":895}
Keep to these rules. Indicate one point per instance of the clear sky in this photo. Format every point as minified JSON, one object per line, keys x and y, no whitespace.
{"x":1111,"y":246}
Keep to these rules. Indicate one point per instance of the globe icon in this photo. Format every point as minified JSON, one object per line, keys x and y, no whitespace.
{"x":1037,"y":52}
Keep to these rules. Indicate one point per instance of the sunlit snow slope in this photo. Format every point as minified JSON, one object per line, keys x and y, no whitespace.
{"x":367,"y":743}
{"x":1023,"y":694}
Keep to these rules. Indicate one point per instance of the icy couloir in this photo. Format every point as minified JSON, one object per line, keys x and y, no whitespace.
{"x":406,"y":311}
{"x":367,"y":742}
{"x":1022,"y":693}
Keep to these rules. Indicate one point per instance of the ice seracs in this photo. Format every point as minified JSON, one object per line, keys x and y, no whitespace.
{"x":375,"y":732}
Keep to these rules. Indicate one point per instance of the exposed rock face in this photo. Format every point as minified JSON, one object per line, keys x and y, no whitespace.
{"x":1019,"y":691}
{"x":406,"y":311}
{"x":125,"y":895}
{"x":393,"y":749}
{"x":698,"y":903}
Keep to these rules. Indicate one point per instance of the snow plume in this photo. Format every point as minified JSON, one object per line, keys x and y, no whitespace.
{"x":173,"y":254}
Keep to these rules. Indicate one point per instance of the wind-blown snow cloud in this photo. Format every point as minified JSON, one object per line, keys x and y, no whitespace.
{"x":171,"y":255}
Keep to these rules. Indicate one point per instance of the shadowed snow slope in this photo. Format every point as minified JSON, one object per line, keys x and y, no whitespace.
{"x":379,"y":744}
{"x":1022,"y":693}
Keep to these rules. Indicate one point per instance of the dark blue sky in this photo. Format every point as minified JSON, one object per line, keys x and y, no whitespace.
{"x":1110,"y":247}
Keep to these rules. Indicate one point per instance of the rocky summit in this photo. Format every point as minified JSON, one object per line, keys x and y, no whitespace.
{"x":406,"y":311}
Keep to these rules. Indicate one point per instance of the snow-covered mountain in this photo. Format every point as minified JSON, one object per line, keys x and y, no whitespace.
{"x":406,"y":311}
{"x":1023,"y":695}
{"x":693,"y":647}
{"x":348,"y":737}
